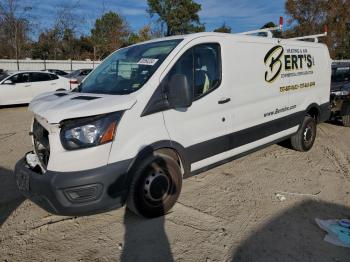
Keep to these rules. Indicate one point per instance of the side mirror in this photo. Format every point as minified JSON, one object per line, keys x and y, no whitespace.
{"x":8,"y":82}
{"x":179,"y":92}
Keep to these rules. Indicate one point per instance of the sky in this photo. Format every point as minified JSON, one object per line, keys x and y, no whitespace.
{"x":240,"y":15}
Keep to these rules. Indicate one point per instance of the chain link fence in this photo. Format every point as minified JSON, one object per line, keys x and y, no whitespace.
{"x":28,"y":64}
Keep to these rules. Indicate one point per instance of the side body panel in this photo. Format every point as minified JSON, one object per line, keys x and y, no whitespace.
{"x":262,"y":108}
{"x":308,"y":80}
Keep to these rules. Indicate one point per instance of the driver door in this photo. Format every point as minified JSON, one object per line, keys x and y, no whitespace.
{"x":18,"y":92}
{"x":203,"y":128}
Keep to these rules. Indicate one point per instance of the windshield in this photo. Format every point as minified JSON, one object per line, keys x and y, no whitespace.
{"x":128,"y":69}
{"x":3,"y":76}
{"x":341,"y":74}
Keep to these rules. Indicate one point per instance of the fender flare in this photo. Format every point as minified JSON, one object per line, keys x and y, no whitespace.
{"x":149,"y":151}
{"x":316,"y":106}
{"x":323,"y":111}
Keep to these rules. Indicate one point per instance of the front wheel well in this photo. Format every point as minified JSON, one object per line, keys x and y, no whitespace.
{"x":314,"y":112}
{"x":173,"y":154}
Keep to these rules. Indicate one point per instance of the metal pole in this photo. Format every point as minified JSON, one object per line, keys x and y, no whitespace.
{"x":93,"y":60}
{"x":16,"y":45}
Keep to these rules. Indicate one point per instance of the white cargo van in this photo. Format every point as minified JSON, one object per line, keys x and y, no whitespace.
{"x":154,"y":113}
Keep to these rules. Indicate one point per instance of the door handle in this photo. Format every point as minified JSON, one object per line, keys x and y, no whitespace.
{"x":224,"y":101}
{"x":27,"y":86}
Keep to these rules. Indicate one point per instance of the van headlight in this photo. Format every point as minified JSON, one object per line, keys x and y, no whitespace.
{"x":89,"y":131}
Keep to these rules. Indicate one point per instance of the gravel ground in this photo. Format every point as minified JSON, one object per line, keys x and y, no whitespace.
{"x":230,"y":213}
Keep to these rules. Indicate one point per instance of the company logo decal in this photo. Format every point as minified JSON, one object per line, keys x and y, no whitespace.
{"x":281,"y":63}
{"x":274,"y":63}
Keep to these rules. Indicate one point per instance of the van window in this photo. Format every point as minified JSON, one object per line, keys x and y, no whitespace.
{"x":341,"y":74}
{"x":128,"y":69}
{"x":202,"y":67}
{"x":184,"y":66}
{"x":207,"y":71}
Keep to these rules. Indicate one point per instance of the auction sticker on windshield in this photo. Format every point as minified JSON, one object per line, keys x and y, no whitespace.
{"x":147,"y":61}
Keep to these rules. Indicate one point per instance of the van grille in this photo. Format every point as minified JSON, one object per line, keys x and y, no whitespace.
{"x":41,"y":143}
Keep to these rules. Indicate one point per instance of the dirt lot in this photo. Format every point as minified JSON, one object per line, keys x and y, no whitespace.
{"x":230,"y":213}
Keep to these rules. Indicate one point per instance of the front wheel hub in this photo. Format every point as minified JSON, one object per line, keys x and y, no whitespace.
{"x":156,"y":186}
{"x":308,"y":134}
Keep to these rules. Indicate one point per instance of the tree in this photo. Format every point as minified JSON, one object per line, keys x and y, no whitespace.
{"x":47,"y":46}
{"x":66,"y":27}
{"x":14,"y":28}
{"x":86,"y":47}
{"x":223,"y":29}
{"x":144,"y":34}
{"x":179,"y":16}
{"x":310,"y":17}
{"x":337,"y":20}
{"x":109,"y":33}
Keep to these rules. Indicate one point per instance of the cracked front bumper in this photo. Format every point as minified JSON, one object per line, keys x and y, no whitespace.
{"x":75,"y":193}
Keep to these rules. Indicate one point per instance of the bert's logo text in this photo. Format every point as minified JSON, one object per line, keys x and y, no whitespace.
{"x":287,"y":63}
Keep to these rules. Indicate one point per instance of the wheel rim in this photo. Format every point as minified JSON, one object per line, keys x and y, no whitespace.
{"x":308,"y":134}
{"x":156,"y":186}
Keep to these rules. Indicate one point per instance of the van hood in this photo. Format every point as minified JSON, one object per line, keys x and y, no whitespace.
{"x":58,"y":106}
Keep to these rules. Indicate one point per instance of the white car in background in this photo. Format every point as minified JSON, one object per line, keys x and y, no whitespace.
{"x":22,"y":87}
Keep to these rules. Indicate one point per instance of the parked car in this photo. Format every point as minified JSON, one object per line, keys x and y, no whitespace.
{"x":77,"y":76}
{"x":153,"y":113}
{"x":340,"y":92}
{"x":21,"y":87}
{"x":57,"y":72}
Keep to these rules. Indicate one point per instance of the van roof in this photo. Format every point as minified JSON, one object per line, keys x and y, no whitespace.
{"x":232,"y":35}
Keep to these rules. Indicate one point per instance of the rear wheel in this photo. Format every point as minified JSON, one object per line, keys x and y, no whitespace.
{"x":304,"y":139}
{"x":346,"y":120}
{"x":155,"y":187}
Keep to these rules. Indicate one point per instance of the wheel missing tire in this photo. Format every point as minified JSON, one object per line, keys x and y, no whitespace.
{"x":155,"y":187}
{"x":304,"y":139}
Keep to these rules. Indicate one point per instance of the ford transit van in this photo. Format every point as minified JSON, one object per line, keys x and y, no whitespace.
{"x":154,"y":113}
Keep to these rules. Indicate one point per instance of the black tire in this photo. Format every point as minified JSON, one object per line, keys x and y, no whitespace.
{"x":155,"y":187}
{"x":346,"y":120}
{"x":304,"y":139}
